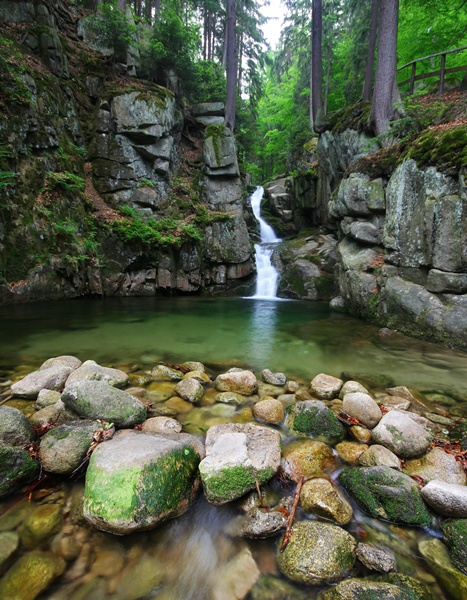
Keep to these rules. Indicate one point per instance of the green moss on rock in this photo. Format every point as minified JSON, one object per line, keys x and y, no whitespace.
{"x":455,"y":537}
{"x":233,"y":482}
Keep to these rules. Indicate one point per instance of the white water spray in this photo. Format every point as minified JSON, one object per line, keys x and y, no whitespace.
{"x":267,"y":275}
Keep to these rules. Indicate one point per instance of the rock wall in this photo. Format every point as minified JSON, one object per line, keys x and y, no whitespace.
{"x":105,"y":185}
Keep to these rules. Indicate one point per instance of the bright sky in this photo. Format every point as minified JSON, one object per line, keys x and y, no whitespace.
{"x":276,"y":12}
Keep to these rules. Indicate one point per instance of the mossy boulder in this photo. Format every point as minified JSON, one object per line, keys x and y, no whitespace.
{"x":31,"y":575}
{"x":137,"y":480}
{"x":15,"y":429}
{"x":386,"y":494}
{"x":376,"y":589}
{"x":317,"y":553}
{"x":63,"y":448}
{"x":17,"y":468}
{"x":272,"y":588}
{"x":455,"y":538}
{"x":313,"y":418}
{"x":237,"y":458}
{"x":98,"y":400}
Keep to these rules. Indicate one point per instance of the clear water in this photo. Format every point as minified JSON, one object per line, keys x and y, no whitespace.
{"x":299,"y":338}
{"x":194,"y":557}
{"x":267,"y":275}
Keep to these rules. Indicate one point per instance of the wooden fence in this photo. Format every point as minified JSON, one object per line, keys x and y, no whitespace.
{"x":441,"y":73}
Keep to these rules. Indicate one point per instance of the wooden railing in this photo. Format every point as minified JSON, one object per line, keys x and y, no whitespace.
{"x":441,"y":73}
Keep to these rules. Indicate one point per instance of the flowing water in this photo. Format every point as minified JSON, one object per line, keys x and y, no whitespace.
{"x":267,"y":275}
{"x":196,"y":556}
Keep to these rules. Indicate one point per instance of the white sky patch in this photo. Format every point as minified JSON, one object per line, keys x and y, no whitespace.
{"x":272,"y":28}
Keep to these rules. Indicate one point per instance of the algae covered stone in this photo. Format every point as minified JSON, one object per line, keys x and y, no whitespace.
{"x":44,"y":521}
{"x":320,"y":497}
{"x":404,"y":588}
{"x":17,"y":468}
{"x":317,"y":553}
{"x":237,"y":457}
{"x":31,"y":575}
{"x":449,"y":578}
{"x":386,"y":494}
{"x":136,"y":480}
{"x":315,"y":419}
{"x":98,"y":400}
{"x":272,"y":588}
{"x":455,"y":538}
{"x":306,"y":458}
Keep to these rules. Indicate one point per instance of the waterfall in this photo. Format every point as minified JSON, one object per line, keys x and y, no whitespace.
{"x":267,"y":275}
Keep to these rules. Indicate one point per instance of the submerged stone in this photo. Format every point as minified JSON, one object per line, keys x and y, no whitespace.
{"x":317,"y":553}
{"x":306,"y":458}
{"x":386,"y":494}
{"x":272,"y":588}
{"x":137,"y":480}
{"x":369,"y":589}
{"x":447,"y":575}
{"x":43,"y":522}
{"x":31,"y":575}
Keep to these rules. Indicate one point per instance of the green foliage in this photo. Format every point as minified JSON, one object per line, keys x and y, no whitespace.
{"x":15,"y":95}
{"x":143,"y":182}
{"x":65,"y":181}
{"x":113,"y":29}
{"x":7,"y":178}
{"x":165,"y":232}
{"x":443,"y":147}
{"x":208,"y":83}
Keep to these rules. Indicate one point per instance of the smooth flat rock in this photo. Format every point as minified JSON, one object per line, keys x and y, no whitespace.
{"x":52,"y":378}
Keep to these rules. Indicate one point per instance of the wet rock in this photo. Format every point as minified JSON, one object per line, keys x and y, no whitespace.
{"x":449,"y":578}
{"x":91,"y":371}
{"x":98,"y":400}
{"x":313,"y":418}
{"x":54,"y":414}
{"x":137,"y":480}
{"x":447,"y":499}
{"x":386,"y":494}
{"x":273,"y":588}
{"x":163,"y":373}
{"x":379,"y":456}
{"x":317,"y":553}
{"x":376,"y":559}
{"x":401,"y":434}
{"x":31,"y":575}
{"x":439,"y":465}
{"x":362,"y":407}
{"x":361,"y":434}
{"x":9,"y":542}
{"x":42,"y":523}
{"x":46,"y":398}
{"x":325,"y":386}
{"x":306,"y":458}
{"x":240,"y":382}
{"x":194,"y":366}
{"x":350,"y":387}
{"x":199,"y":375}
{"x":64,"y":448}
{"x":320,"y":497}
{"x":190,"y":390}
{"x":261,"y":523}
{"x":52,"y":378}
{"x":162,"y":425}
{"x":64,"y":361}
{"x":269,"y":410}
{"x":350,"y":451}
{"x":455,"y":538}
{"x":231,"y":398}
{"x":17,"y":468}
{"x":391,"y":587}
{"x":274,"y":378}
{"x":236,"y":577}
{"x":15,"y":429}
{"x":238,"y":456}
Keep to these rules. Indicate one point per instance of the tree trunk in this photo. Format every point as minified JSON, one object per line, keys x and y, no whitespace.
{"x":148,"y":11}
{"x":157,"y":10}
{"x":317,"y":62}
{"x":311,"y":81}
{"x":382,"y":110}
{"x":122,"y":5}
{"x":370,"y":58}
{"x":231,"y":70}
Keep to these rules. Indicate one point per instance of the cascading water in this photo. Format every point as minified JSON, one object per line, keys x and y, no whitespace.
{"x":267,"y":275}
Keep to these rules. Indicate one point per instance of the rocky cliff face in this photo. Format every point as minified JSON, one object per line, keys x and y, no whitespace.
{"x":400,"y":228}
{"x":107,"y":185}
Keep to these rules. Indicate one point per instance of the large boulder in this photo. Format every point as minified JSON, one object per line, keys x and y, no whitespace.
{"x":137,"y":480}
{"x":17,"y":468}
{"x":237,"y":458}
{"x":313,"y":418}
{"x":317,"y":553}
{"x":437,"y":464}
{"x":399,"y":432}
{"x":386,"y":494}
{"x":91,"y":371}
{"x":51,"y":378}
{"x":63,"y":448}
{"x":98,"y":400}
{"x":15,"y":429}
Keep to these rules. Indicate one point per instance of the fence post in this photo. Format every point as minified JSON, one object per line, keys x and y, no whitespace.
{"x":442,"y":73}
{"x":412,"y":78}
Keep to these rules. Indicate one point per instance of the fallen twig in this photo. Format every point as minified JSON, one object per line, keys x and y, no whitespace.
{"x":291,"y":518}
